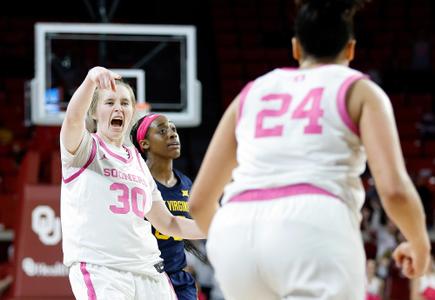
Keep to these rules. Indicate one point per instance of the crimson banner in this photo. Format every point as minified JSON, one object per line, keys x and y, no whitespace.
{"x":39,"y":271}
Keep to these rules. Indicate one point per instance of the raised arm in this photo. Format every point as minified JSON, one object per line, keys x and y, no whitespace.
{"x":73,"y":125}
{"x":397,"y":192}
{"x":162,"y":219}
{"x":414,"y":286}
{"x":215,"y":171}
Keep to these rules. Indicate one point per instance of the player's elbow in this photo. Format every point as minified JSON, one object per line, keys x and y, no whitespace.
{"x":393,"y":194}
{"x":395,"y":191}
{"x":195,"y":208}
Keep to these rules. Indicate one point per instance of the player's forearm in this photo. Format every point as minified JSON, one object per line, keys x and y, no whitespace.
{"x":184,"y":228}
{"x":203,"y":213}
{"x":405,"y":209}
{"x":73,"y":125}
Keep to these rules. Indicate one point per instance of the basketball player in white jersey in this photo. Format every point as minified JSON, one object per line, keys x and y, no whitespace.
{"x":107,"y":191}
{"x":289,"y":151}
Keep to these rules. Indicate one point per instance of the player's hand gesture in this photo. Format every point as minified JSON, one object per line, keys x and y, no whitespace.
{"x":103,"y":78}
{"x":413,"y":261}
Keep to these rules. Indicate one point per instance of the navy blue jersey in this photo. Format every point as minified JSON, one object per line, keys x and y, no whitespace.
{"x":176,"y":198}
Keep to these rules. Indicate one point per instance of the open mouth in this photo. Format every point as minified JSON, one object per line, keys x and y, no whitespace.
{"x":116,"y":122}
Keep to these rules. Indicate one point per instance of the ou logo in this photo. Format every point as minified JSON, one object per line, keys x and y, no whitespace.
{"x":46,"y":225}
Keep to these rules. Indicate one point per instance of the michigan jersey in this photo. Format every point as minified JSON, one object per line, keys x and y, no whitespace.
{"x":176,"y":197}
{"x":106,"y":192}
{"x":293,"y":128}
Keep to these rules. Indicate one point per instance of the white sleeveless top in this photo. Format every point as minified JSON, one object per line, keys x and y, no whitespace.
{"x":427,"y":282}
{"x":293,"y":128}
{"x":106,"y":191}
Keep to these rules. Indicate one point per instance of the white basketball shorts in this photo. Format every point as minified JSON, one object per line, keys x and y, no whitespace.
{"x":296,"y":247}
{"x":90,"y":282}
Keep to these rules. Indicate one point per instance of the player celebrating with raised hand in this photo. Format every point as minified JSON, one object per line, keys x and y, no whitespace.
{"x":289,"y":151}
{"x":157,"y":140}
{"x":107,"y":191}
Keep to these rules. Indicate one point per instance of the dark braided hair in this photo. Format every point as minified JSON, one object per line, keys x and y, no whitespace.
{"x":323,"y":27}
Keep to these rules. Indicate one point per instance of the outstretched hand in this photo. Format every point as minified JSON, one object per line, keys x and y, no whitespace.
{"x":103,"y":78}
{"x":410,"y":260}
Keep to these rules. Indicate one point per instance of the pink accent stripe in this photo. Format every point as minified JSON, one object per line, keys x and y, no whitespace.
{"x":103,"y":144}
{"x":278,"y":192}
{"x":138,"y":159}
{"x":88,"y":282}
{"x":82,"y":169}
{"x":172,"y":287}
{"x":341,"y":102}
{"x":242,"y":99}
{"x":144,"y":125}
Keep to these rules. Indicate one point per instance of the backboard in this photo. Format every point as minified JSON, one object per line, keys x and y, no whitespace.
{"x":158,"y":61}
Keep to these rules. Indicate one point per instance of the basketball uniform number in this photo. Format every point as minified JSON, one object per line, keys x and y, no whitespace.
{"x":135,"y":196}
{"x":313,"y":113}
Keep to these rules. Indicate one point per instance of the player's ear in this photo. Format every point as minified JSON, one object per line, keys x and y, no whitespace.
{"x":296,"y":49}
{"x":350,"y":50}
{"x":145,"y":144}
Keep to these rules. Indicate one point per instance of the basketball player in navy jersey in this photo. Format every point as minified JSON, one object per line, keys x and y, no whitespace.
{"x":157,"y":140}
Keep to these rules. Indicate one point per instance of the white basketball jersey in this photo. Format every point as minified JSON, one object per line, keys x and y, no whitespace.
{"x":105,"y":195}
{"x":293,"y":128}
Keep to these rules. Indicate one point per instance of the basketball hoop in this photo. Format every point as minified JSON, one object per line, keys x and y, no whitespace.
{"x":143,"y":107}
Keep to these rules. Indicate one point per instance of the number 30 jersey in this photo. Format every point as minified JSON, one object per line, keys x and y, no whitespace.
{"x":293,"y":128}
{"x":106,"y":192}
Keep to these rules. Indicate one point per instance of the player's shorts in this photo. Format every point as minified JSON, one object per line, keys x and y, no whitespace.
{"x":90,"y":282}
{"x":184,"y":285}
{"x":295,"y":247}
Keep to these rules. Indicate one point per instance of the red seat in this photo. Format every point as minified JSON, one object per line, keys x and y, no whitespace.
{"x":414,"y":165}
{"x":253,"y":54}
{"x":429,"y":148}
{"x":411,"y":148}
{"x":228,"y":54}
{"x":230,"y":89}
{"x":231,"y":70}
{"x":280,"y":57}
{"x":9,"y":204}
{"x":398,"y":99}
{"x":55,"y":168}
{"x":29,"y":169}
{"x":407,"y":114}
{"x":8,"y":165}
{"x":424,"y":101}
{"x":254,"y":70}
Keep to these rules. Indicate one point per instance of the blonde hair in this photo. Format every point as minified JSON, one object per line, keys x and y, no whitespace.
{"x":91,"y":123}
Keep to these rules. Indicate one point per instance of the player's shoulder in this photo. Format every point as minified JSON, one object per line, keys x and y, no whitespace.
{"x":183,"y":177}
{"x":274,"y":73}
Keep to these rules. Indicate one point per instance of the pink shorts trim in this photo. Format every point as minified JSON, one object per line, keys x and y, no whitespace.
{"x":171,"y":286}
{"x":279,"y":192}
{"x":88,"y":282}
